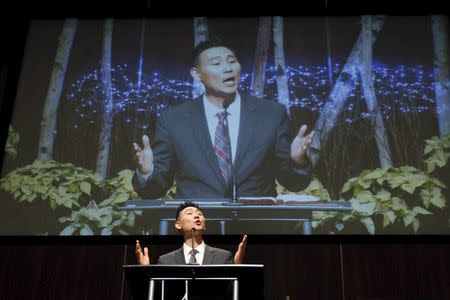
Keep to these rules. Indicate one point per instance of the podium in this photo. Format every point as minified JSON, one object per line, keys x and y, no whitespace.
{"x":195,"y":282}
{"x":217,"y":210}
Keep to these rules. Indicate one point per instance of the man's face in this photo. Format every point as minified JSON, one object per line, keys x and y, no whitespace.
{"x":219,"y":70}
{"x":189,"y":218}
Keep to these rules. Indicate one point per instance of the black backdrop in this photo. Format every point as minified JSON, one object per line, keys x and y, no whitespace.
{"x":379,"y":267}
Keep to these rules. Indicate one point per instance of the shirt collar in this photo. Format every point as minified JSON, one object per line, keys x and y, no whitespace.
{"x":187,"y":248}
{"x":211,"y":110}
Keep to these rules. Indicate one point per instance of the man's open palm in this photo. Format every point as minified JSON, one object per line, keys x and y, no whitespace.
{"x":144,"y":156}
{"x":300,"y":145}
{"x":142,"y":256}
{"x":239,"y":256}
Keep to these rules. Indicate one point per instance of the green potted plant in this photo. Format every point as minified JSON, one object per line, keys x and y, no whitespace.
{"x":397,"y":196}
{"x":52,"y":189}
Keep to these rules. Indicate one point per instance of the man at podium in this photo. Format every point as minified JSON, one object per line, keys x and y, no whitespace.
{"x":191,"y":223}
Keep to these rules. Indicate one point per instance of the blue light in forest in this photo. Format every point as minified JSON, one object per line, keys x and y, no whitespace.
{"x":402,"y":89}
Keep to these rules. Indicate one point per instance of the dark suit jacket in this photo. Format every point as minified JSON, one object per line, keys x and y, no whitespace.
{"x":213,"y":256}
{"x":183,"y":151}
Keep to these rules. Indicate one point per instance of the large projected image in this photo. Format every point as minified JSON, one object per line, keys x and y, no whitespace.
{"x":353,"y":136}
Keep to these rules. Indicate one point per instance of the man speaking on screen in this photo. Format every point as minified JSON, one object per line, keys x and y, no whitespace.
{"x":223,"y":142}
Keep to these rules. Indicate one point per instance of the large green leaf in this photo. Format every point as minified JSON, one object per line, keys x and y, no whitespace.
{"x":378,"y":173}
{"x":438,"y":201}
{"x":69,"y":230}
{"x":368,"y":222}
{"x":365,"y":209}
{"x":86,"y":230}
{"x":416,"y":224}
{"x":85,"y":187}
{"x":106,"y":231}
{"x":365,"y":196}
{"x":419,"y":210}
{"x":408,"y":219}
{"x":408,"y":187}
{"x":383,"y":195}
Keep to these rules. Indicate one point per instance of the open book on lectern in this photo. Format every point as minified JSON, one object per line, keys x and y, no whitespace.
{"x":286,"y":199}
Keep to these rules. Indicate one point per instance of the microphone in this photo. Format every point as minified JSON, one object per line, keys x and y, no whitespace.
{"x":192,"y":237}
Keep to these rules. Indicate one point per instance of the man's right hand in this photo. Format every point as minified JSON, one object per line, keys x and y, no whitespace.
{"x":239,"y":256}
{"x":142,"y":257}
{"x":144,"y":156}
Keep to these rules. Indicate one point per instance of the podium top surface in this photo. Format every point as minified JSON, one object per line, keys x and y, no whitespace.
{"x":186,"y":266}
{"x":225,"y":204}
{"x":195,"y":271}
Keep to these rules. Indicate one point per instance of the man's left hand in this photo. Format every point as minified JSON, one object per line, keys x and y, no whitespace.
{"x":300,"y":145}
{"x":239,"y":256}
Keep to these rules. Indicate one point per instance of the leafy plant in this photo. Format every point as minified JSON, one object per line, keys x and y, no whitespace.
{"x":171,"y":193}
{"x":437,"y":152}
{"x":104,"y":219}
{"x":397,"y":194}
{"x":93,"y":219}
{"x":119,"y":189}
{"x":320,"y":218}
{"x":315,"y":188}
{"x":65,"y":185}
{"x":62,"y":184}
{"x":11,"y":142}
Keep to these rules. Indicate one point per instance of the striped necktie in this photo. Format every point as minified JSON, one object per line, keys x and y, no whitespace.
{"x":222,"y":146}
{"x":192,"y":259}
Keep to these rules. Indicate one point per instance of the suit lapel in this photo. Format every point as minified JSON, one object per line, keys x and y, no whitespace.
{"x":201,"y":133}
{"x":246,"y":125}
{"x":208,"y":257}
{"x":179,"y":257}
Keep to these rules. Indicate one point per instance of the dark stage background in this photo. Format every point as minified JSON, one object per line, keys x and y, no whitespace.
{"x":327,"y":267}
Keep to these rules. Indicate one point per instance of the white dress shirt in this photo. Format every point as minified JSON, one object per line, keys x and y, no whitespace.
{"x":234,"y":114}
{"x":211,"y":110}
{"x":199,"y":256}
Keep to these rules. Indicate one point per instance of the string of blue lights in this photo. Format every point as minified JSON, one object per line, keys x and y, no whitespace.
{"x":403,"y":89}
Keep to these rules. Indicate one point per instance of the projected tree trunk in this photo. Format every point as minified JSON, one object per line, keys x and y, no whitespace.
{"x":340,"y":92}
{"x":282,"y":84}
{"x":441,"y":72}
{"x":369,"y":93}
{"x":261,"y":50}
{"x":104,"y":141}
{"x":200,"y":35}
{"x":48,"y":121}
{"x":135,"y":112}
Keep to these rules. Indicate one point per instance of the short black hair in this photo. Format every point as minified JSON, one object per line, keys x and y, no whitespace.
{"x":205,"y":45}
{"x":184,"y":205}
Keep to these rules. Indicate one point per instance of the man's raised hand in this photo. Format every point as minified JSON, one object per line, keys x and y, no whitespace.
{"x":144,"y":156}
{"x":239,"y":256}
{"x":142,"y":257}
{"x":300,"y":145}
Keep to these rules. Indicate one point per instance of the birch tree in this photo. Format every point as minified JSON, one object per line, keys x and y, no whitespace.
{"x":369,"y":92}
{"x":441,"y":72}
{"x":135,"y":112}
{"x":338,"y":97}
{"x":330,"y":65}
{"x":49,"y":114}
{"x":200,"y":35}
{"x":262,"y":48}
{"x":282,"y":83}
{"x":104,"y":141}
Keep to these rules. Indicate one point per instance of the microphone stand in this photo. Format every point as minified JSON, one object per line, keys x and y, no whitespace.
{"x":234,"y":196}
{"x":192,"y":239}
